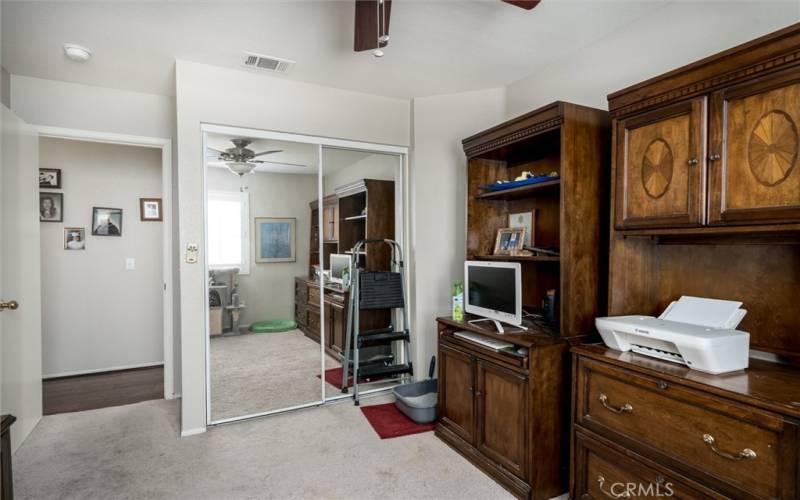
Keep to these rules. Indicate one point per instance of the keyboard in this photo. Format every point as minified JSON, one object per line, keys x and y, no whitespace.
{"x":483,"y":340}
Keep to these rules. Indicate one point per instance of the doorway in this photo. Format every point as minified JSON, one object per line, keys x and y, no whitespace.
{"x":274,"y":317}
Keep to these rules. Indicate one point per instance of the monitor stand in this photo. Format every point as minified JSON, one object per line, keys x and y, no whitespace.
{"x":497,"y":325}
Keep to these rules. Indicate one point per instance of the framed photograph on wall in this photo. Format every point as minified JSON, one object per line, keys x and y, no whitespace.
{"x":150,"y":209}
{"x":51,"y":207}
{"x":106,"y":221}
{"x":509,"y":240}
{"x":50,"y":178}
{"x":526,"y":220}
{"x":74,"y":238}
{"x":275,"y":239}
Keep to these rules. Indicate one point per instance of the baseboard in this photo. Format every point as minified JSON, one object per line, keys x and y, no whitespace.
{"x":193,"y":432}
{"x":102,"y":370}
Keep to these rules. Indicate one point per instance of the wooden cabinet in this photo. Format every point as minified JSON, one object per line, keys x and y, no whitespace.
{"x":330,"y":219}
{"x":336,"y":324}
{"x":660,"y":167}
{"x":501,"y":410}
{"x":754,"y":147}
{"x":6,"y":477}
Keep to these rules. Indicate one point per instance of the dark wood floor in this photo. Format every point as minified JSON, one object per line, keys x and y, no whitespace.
{"x":101,"y":390}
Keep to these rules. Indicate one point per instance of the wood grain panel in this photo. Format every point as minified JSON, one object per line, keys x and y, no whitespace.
{"x":456,"y":371}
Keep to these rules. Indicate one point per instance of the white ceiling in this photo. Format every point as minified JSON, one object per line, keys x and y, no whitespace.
{"x":436,"y":47}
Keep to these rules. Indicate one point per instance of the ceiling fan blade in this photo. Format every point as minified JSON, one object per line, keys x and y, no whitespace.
{"x":366,"y":24}
{"x":268,"y":152}
{"x":525,"y":4}
{"x":218,"y":151}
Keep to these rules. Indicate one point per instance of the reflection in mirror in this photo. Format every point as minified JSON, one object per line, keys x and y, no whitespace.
{"x":359,"y":202}
{"x":263,"y":322}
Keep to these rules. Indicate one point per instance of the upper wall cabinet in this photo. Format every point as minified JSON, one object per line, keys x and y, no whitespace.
{"x":714,"y":143}
{"x":754,"y":147}
{"x":659,"y":179}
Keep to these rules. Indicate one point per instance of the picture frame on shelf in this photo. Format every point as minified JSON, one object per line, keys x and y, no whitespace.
{"x":50,"y":178}
{"x":509,"y":241}
{"x":526,"y":220}
{"x":275,"y":239}
{"x":51,"y":207}
{"x":150,"y":210}
{"x":106,"y":221}
{"x":74,"y":238}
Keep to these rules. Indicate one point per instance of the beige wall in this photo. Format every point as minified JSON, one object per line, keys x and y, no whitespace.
{"x":342,"y":167}
{"x":207,"y":94}
{"x":268,"y":290}
{"x":96,"y":315}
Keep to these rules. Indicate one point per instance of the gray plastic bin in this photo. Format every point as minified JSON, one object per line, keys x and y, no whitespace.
{"x":418,"y":400}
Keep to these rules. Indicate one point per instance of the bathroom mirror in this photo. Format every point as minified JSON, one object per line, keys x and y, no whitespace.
{"x":263,"y":292}
{"x":360,"y":192}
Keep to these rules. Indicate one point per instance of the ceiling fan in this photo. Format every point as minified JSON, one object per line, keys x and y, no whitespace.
{"x":239,"y":159}
{"x":372,"y":23}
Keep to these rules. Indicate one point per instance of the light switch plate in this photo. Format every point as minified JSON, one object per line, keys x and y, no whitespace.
{"x":130,"y":263}
{"x":191,"y":253}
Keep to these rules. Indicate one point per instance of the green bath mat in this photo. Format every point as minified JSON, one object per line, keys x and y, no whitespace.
{"x":277,"y":325}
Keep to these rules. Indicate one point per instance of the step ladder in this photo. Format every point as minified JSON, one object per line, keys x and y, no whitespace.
{"x":371,"y":290}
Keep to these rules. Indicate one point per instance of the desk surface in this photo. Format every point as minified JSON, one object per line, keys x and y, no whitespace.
{"x":536,"y":335}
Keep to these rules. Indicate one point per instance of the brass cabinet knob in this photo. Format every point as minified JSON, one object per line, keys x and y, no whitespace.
{"x":745,"y":454}
{"x":692,"y":162}
{"x":714,"y":157}
{"x":11,"y":304}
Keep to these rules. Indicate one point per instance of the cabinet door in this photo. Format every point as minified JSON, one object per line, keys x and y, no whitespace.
{"x":456,"y":391}
{"x":753,"y":152}
{"x":502,"y":416}
{"x":660,"y":167}
{"x":338,"y":325}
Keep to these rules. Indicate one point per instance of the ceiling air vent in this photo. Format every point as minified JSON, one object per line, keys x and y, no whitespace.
{"x":267,"y":63}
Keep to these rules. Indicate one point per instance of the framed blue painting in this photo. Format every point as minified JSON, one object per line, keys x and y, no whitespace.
{"x":275,"y":239}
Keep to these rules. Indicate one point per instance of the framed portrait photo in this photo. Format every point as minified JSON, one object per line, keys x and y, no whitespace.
{"x":510,"y":240}
{"x":106,"y":221}
{"x":74,"y":238}
{"x":275,"y":239}
{"x":150,"y":209}
{"x":51,"y":207}
{"x":50,"y":178}
{"x":526,"y":220}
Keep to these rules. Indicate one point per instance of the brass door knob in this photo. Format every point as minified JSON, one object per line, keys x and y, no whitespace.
{"x":11,"y":304}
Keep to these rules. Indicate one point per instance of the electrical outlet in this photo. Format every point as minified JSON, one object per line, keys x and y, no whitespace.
{"x":130,"y":263}
{"x":192,"y":251}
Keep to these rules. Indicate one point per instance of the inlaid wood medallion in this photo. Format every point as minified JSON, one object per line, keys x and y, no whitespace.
{"x":657,"y":167}
{"x":772,"y":149}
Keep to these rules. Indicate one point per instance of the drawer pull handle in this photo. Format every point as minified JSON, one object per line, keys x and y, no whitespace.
{"x":626,"y":408}
{"x":601,"y":481}
{"x":745,"y":454}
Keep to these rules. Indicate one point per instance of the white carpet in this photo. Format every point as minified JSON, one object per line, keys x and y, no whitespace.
{"x":331,"y":452}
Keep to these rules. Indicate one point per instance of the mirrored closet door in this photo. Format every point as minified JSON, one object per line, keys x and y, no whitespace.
{"x":263,"y":302}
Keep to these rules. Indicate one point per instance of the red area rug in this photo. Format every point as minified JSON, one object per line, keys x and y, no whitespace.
{"x":389,"y":422}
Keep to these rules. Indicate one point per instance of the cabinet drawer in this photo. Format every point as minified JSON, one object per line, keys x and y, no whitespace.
{"x":603,"y":472}
{"x":721,"y":441}
{"x":313,"y":295}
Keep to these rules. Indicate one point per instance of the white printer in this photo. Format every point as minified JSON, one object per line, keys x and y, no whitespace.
{"x":699,"y":333}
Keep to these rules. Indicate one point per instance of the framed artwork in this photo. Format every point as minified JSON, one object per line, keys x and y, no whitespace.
{"x":74,"y":238}
{"x":526,"y":220}
{"x":106,"y":221}
{"x":509,"y":240}
{"x":51,"y":207}
{"x":150,"y":209}
{"x":50,"y":178}
{"x":275,"y":239}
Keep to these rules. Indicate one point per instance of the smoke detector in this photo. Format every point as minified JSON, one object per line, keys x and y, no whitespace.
{"x":77,"y":52}
{"x":267,"y":63}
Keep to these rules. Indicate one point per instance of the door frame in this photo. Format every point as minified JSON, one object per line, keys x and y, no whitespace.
{"x":165,"y":146}
{"x":403,"y":237}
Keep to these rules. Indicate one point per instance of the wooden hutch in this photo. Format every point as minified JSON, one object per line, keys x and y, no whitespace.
{"x":507,"y":412}
{"x":363,"y":209}
{"x":706,"y":202}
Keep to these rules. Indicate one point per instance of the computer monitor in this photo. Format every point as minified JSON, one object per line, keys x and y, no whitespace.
{"x":493,"y":290}
{"x":339,"y":262}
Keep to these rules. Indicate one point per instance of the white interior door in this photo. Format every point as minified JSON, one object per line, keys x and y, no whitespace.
{"x":20,"y":280}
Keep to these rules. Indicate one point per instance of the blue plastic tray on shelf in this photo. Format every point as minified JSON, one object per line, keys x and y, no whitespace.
{"x":514,"y":184}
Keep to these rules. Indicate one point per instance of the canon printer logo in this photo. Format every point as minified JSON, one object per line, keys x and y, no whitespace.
{"x":641,"y":331}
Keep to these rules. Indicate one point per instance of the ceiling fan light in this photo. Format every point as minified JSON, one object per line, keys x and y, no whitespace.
{"x":240,"y":167}
{"x":377,"y":53}
{"x":383,"y":38}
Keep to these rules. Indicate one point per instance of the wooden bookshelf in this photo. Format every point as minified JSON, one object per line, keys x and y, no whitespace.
{"x":520,"y":258}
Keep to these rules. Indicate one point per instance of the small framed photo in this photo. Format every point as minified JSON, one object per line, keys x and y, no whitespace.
{"x":51,"y":207}
{"x":526,"y":220}
{"x":150,"y":209}
{"x":50,"y":178}
{"x":275,"y":239}
{"x":106,"y":221}
{"x":509,"y":240}
{"x":74,"y":238}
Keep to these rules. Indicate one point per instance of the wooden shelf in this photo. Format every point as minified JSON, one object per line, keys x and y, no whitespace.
{"x":519,"y":192}
{"x":521,"y":258}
